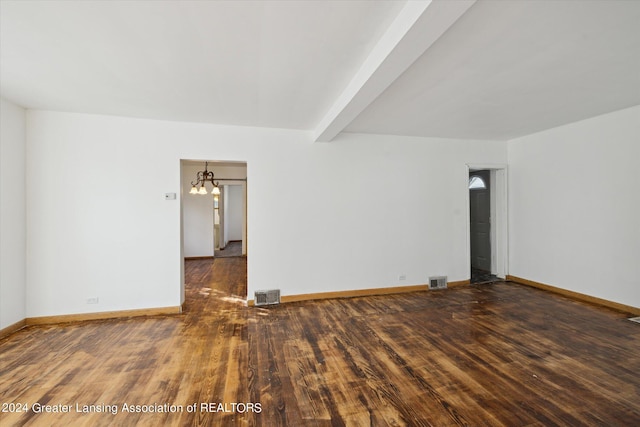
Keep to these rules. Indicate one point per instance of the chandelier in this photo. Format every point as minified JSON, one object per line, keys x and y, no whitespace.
{"x":201,"y":178}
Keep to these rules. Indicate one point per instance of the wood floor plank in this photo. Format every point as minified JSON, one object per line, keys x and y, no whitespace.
{"x":479,"y":355}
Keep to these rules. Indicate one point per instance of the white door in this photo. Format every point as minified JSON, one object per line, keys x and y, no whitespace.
{"x":480,"y":217}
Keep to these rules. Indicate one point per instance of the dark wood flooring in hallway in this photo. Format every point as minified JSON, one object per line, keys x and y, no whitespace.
{"x":479,"y":355}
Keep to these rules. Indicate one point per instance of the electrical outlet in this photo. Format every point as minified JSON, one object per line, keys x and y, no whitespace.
{"x":402,"y":277}
{"x":92,"y":300}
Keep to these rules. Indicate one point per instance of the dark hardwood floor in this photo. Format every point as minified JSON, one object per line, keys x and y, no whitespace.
{"x":479,"y":355}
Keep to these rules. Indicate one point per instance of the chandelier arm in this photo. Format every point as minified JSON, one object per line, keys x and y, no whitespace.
{"x":207,"y":175}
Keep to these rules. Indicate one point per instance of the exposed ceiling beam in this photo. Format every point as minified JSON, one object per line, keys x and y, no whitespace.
{"x":418,"y":25}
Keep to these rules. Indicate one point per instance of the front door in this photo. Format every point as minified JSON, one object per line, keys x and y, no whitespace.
{"x":480,"y":215}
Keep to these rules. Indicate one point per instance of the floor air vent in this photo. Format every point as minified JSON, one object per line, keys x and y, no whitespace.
{"x":438,"y":282}
{"x":269,"y":297}
{"x":635,"y":319}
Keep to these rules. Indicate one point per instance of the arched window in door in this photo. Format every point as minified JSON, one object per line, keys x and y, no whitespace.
{"x":477,"y":183}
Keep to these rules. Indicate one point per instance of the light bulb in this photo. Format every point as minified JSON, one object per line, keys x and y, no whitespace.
{"x":194,"y":190}
{"x":215,"y":191}
{"x":203,"y":190}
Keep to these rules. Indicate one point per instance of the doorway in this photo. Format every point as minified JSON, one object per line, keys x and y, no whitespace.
{"x":204,"y":221}
{"x":487,"y":224}
{"x":230,"y":216}
{"x":480,"y":225}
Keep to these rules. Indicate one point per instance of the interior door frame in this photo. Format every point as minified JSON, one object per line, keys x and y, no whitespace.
{"x":499,"y":218}
{"x":183,"y":183}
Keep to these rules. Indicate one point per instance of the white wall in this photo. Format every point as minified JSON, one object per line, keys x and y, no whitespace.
{"x":235,"y":212}
{"x":358,"y":212}
{"x":574,"y":198}
{"x":12,"y":214}
{"x":350,"y":214}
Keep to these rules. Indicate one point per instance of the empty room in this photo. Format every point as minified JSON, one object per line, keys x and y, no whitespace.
{"x":320,"y":213}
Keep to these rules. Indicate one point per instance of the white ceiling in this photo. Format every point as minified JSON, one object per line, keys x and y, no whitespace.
{"x":507,"y":69}
{"x":458,"y":69}
{"x":256,"y":63}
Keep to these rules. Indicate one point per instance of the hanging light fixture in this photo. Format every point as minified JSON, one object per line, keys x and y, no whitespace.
{"x":201,"y":178}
